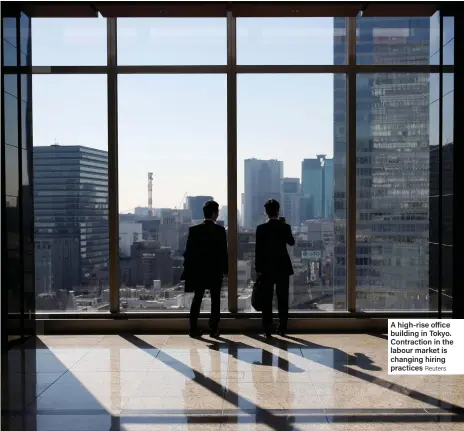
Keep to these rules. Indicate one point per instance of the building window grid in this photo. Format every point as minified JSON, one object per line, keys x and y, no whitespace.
{"x":353,"y":67}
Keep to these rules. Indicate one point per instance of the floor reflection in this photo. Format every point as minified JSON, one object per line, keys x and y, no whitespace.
{"x":157,"y":382}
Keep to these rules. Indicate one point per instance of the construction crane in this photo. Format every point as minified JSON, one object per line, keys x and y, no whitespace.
{"x":182,"y":200}
{"x":150,"y":194}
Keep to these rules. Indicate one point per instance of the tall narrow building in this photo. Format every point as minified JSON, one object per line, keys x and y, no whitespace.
{"x":317,"y":187}
{"x":262,"y":182}
{"x":290,"y":200}
{"x":392,"y":153}
{"x":71,"y":214}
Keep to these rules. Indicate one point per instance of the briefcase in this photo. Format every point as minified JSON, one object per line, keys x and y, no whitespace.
{"x":257,"y":295}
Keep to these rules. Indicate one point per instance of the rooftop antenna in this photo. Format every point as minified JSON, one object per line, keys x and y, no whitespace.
{"x":150,"y":194}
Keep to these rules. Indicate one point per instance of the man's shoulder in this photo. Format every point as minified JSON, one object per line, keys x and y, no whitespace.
{"x":221,"y":230}
{"x":196,"y":227}
{"x":262,"y":226}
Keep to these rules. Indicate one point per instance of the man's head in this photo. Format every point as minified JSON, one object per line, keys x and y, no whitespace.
{"x":272,"y":208}
{"x":211,"y":210}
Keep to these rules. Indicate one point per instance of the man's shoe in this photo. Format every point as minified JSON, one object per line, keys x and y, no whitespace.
{"x":268,"y":335}
{"x":197,"y":333}
{"x":214,"y":333}
{"x":282,"y":332}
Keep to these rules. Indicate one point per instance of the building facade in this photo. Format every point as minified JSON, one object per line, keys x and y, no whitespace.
{"x":71,"y":205}
{"x":262,"y":182}
{"x":290,"y":200}
{"x":129,"y":232}
{"x":317,"y":179}
{"x":195,"y":205}
{"x":392,"y":137}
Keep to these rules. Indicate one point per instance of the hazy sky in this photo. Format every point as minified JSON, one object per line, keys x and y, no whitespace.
{"x":175,"y":125}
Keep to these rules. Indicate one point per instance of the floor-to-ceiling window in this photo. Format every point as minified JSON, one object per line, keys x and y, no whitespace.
{"x":17,"y":228}
{"x":138,"y":121}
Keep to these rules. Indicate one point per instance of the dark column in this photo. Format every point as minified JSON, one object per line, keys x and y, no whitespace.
{"x":457,"y":222}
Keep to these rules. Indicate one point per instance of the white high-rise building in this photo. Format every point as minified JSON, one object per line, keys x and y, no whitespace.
{"x":290,"y":200}
{"x":129,"y":232}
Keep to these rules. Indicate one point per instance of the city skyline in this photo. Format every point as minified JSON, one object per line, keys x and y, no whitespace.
{"x":291,"y":146}
{"x":162,"y":126}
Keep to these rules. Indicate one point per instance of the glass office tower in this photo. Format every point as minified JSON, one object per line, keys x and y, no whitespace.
{"x":71,"y":220}
{"x":392,"y":168}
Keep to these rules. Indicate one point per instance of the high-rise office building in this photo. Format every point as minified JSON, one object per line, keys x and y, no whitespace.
{"x":290,"y":200}
{"x":71,"y":212}
{"x":317,"y":178}
{"x":262,"y":182}
{"x":392,"y":151}
{"x":195,"y":205}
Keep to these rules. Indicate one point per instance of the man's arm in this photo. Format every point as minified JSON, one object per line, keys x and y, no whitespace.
{"x":188,"y":253}
{"x":259,"y":251}
{"x":224,"y":253}
{"x":290,"y":240}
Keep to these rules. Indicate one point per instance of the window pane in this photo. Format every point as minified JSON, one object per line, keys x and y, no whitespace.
{"x":10,"y":84}
{"x":393,"y":180}
{"x":172,"y":41}
{"x":448,"y":53}
{"x":9,"y":31}
{"x":175,"y":127}
{"x":448,"y":133}
{"x":70,"y":168}
{"x":435,"y":38}
{"x":10,"y":57}
{"x":292,"y":148}
{"x":291,"y":41}
{"x":11,"y":119}
{"x":27,"y":213}
{"x":448,"y":28}
{"x":447,"y":278}
{"x":394,"y":40}
{"x":12,"y":225}
{"x":25,"y":36}
{"x":11,"y":171}
{"x":448,"y":118}
{"x":69,"y":42}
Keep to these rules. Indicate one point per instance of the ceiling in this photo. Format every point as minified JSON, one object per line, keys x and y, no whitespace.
{"x":121,"y":9}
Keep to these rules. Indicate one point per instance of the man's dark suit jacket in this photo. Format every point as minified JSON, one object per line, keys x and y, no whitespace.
{"x":205,"y":257}
{"x":271,"y":255}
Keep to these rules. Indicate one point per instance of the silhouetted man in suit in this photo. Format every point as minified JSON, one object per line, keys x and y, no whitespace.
{"x":205,"y":266}
{"x":273,"y":265}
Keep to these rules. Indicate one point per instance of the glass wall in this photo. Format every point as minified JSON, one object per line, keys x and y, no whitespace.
{"x":175,"y":133}
{"x":69,"y":42}
{"x":441,"y":182}
{"x":393,"y":117}
{"x":291,"y":148}
{"x":172,"y":41}
{"x":173,"y":153}
{"x":291,"y":41}
{"x":70,"y":161}
{"x":17,"y":224}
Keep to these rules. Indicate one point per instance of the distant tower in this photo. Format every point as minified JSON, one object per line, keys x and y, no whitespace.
{"x":150,"y":194}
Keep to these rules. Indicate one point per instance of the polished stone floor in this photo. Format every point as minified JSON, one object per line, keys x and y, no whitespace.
{"x":238,"y":382}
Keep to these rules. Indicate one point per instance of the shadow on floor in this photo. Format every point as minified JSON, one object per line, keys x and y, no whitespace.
{"x":73,"y":406}
{"x":340,"y":361}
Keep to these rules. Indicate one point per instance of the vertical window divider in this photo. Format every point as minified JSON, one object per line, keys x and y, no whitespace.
{"x":232,"y":159}
{"x":113,"y":195}
{"x":440,"y":170}
{"x":351,"y":167}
